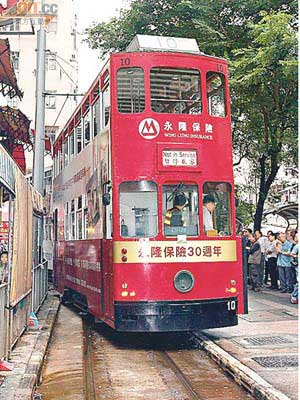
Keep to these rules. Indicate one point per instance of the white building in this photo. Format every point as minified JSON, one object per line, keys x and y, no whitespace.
{"x":61,"y":65}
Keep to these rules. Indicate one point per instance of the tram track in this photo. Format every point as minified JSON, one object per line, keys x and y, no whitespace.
{"x":88,"y":371}
{"x":181,"y":377}
{"x":116,"y":366}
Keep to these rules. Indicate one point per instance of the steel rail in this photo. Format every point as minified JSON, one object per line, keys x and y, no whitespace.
{"x":180,"y":375}
{"x":90,"y":392}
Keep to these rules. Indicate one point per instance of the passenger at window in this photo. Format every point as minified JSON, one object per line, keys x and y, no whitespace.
{"x":174,"y":216}
{"x":3,"y":267}
{"x":209,"y":205}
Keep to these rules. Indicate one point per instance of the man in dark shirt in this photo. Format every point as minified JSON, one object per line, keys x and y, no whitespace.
{"x":254,"y":261}
{"x":174,"y":216}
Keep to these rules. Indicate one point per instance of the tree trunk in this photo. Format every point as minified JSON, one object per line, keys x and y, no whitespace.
{"x":264,"y":187}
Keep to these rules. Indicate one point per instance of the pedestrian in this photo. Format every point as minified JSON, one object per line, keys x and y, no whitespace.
{"x":271,"y":260}
{"x":262,"y":240}
{"x":294,"y":263}
{"x":4,"y":267}
{"x":284,"y":264}
{"x":246,"y":244}
{"x":254,"y":261}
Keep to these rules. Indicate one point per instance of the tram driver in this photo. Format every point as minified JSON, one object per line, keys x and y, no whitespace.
{"x":209,"y":205}
{"x":174,"y":215}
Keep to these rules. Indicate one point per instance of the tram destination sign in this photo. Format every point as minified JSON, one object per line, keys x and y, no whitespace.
{"x":185,"y":158}
{"x":163,"y":43}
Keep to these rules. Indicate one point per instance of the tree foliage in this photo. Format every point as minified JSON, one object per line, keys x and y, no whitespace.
{"x":258,"y":37}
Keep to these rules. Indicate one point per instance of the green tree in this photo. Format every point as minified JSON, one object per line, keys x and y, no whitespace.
{"x":265,"y":95}
{"x":258,"y":38}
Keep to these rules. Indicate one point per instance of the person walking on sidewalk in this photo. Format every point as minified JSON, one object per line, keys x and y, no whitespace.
{"x":294,"y":262}
{"x":262,"y":240}
{"x":254,"y":261}
{"x":271,"y":262}
{"x":284,"y":264}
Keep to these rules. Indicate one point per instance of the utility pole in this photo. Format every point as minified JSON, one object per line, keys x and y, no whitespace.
{"x":39,"y":142}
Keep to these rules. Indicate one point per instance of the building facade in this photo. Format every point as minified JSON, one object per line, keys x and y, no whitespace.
{"x":61,"y":65}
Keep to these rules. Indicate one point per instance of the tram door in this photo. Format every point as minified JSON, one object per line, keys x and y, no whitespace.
{"x":107,"y":242}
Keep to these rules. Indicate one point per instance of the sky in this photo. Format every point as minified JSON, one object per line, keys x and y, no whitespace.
{"x":87,"y":12}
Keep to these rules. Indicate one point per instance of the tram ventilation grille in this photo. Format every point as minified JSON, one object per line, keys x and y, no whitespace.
{"x":267,"y":340}
{"x":277,"y":361}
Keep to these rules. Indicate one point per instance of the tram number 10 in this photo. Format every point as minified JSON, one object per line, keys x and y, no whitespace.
{"x":231,"y":305}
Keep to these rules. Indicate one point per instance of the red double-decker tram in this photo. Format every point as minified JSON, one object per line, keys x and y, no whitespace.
{"x":144,"y":219}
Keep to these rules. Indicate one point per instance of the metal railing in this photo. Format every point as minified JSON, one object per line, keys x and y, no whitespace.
{"x":39,"y":285}
{"x":3,"y":320}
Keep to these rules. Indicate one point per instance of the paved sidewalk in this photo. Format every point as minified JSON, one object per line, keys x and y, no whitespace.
{"x":266,"y":344}
{"x":28,"y":354}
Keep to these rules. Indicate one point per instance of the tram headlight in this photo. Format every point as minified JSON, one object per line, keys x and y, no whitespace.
{"x":184,"y":281}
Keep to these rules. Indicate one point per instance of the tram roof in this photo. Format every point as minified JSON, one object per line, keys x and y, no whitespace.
{"x":145,"y":43}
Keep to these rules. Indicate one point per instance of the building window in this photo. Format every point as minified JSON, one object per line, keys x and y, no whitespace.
{"x":50,"y":101}
{"x":215,"y":90}
{"x":131,"y":91}
{"x":175,"y":91}
{"x":50,"y":62}
{"x":52,"y":27}
{"x":15,"y":59}
{"x":138,"y":209}
{"x":13,"y":103}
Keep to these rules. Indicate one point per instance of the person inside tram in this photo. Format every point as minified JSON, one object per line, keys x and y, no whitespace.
{"x":3,"y":267}
{"x":209,"y":205}
{"x":174,"y":215}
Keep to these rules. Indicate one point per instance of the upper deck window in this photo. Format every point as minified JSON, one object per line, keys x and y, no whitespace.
{"x":105,"y":106}
{"x":175,"y":91}
{"x":215,"y":88}
{"x":131,"y":91}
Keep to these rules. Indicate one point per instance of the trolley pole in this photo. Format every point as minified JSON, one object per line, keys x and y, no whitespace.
{"x":39,"y":142}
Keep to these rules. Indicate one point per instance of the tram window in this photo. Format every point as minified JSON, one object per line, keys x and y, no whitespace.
{"x":105,"y":107}
{"x":215,"y":88}
{"x":87,"y":128}
{"x":138,"y":209}
{"x":131,"y":91}
{"x":217,"y":220}
{"x":180,"y":210}
{"x":72,"y":145}
{"x":78,"y":130}
{"x":66,"y":152}
{"x":79,"y":218}
{"x":72,"y":221}
{"x":55,"y":224}
{"x":175,"y":91}
{"x":61,"y":160}
{"x":67,"y":222}
{"x":96,"y":117}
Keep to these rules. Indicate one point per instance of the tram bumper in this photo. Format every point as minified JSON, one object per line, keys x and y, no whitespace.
{"x":172,"y":316}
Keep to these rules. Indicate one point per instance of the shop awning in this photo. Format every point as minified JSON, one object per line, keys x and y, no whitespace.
{"x":8,"y":80}
{"x":14,"y":129}
{"x":287,"y":211}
